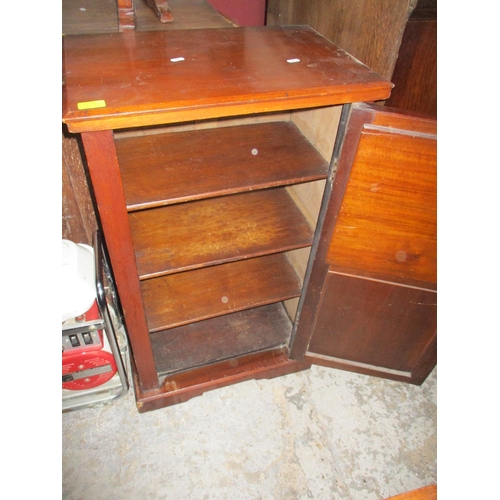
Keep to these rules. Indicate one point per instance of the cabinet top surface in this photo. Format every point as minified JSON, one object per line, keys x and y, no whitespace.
{"x":148,"y":78}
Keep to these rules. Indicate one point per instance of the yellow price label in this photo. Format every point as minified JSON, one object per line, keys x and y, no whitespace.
{"x":91,"y":104}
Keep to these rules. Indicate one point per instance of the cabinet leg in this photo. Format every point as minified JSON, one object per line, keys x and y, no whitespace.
{"x":161,"y":9}
{"x":126,"y":15}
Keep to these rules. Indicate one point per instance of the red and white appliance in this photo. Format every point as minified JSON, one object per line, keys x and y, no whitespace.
{"x":93,"y":368}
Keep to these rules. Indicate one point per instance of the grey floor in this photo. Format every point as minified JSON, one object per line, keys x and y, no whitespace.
{"x":320,"y":434}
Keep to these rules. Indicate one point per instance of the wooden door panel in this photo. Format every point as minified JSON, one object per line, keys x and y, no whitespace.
{"x":371,"y":303}
{"x":387,"y":222}
{"x":374,"y":322}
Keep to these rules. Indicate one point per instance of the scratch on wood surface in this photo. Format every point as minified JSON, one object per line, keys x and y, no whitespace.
{"x":139,"y":220}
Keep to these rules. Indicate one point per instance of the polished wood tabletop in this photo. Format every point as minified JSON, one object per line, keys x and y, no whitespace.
{"x":135,"y":78}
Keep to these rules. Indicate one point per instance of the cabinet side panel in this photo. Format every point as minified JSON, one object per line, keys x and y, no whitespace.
{"x":319,"y":126}
{"x":105,"y":173}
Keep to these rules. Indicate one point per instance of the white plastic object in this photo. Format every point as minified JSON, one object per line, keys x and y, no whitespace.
{"x":78,"y":279}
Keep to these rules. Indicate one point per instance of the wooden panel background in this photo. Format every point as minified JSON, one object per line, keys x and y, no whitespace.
{"x":415,"y":73}
{"x":370,"y":30}
{"x":78,"y":214}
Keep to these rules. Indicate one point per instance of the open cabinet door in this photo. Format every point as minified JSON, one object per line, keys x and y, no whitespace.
{"x":371,"y":299}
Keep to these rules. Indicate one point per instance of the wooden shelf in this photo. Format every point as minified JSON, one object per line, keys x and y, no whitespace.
{"x":217,"y":230}
{"x":221,"y":338}
{"x":182,"y":298}
{"x":172,"y":167}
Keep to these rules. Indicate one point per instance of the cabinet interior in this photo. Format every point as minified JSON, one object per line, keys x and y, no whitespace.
{"x":223,"y":214}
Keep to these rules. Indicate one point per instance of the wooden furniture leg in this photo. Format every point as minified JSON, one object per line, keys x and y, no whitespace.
{"x":161,"y":9}
{"x":126,"y":15}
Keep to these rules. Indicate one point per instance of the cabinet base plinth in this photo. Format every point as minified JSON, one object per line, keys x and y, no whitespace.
{"x":183,"y":386}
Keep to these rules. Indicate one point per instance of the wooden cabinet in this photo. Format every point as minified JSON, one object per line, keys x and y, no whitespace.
{"x":209,"y":153}
{"x":415,"y":72}
{"x":372,"y":299}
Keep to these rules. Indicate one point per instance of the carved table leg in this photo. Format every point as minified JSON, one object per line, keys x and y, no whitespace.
{"x":161,"y":9}
{"x":126,"y":15}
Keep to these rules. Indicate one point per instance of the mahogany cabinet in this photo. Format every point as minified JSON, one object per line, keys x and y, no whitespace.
{"x":211,"y":156}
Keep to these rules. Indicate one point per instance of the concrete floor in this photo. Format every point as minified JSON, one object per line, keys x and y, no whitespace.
{"x":321,"y":434}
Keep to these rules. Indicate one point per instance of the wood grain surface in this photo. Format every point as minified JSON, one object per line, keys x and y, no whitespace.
{"x":216,"y":290}
{"x":374,"y":323}
{"x":387,"y":222}
{"x":149,"y":78}
{"x":221,"y":338}
{"x":217,"y":230}
{"x":157,"y":171}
